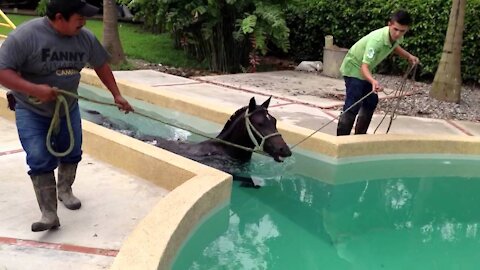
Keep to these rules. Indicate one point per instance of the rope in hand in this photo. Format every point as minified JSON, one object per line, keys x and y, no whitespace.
{"x":55,"y":124}
{"x":412,"y":67}
{"x":54,"y":127}
{"x":335,"y":118}
{"x":399,"y":92}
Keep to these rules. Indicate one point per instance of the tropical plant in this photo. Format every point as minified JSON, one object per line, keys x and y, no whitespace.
{"x":227,"y":34}
{"x":311,"y":20}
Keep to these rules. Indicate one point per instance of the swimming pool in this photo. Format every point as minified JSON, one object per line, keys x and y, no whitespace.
{"x":396,"y":221}
{"x":381,"y":212}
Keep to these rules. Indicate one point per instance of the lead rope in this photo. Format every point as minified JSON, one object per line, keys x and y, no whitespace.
{"x":55,"y":125}
{"x":354,"y":104}
{"x":335,"y":118}
{"x":399,"y":92}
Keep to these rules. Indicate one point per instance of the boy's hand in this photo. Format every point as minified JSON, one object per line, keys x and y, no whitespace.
{"x":413,"y":59}
{"x":376,"y":86}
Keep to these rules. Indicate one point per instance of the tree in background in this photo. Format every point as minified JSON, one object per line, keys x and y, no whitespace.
{"x":448,"y":79}
{"x":111,"y":37}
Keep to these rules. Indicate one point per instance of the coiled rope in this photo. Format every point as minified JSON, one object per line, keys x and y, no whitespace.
{"x":397,"y":94}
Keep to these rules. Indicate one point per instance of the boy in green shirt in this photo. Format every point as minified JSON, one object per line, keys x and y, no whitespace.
{"x":357,"y":69}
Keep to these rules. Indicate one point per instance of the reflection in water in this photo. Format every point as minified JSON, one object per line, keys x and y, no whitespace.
{"x":242,"y":248}
{"x":397,"y":194}
{"x":296,"y":222}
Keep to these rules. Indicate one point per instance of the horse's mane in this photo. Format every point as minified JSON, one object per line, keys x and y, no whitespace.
{"x":232,"y":119}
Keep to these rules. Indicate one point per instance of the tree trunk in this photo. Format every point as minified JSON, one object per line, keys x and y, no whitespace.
{"x":448,"y":79}
{"x":111,"y":38}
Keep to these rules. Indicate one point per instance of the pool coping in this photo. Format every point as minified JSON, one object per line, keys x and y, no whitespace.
{"x":336,"y":148}
{"x":147,"y":246}
{"x":199,"y":189}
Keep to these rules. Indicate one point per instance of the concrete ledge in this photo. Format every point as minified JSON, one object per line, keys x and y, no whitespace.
{"x":335,"y":148}
{"x":196,"y":191}
{"x":155,"y":242}
{"x":325,"y":144}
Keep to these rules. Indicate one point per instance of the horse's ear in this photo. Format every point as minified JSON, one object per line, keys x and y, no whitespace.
{"x":266,"y":103}
{"x":253,"y":105}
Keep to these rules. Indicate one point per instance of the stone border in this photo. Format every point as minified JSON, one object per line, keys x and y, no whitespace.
{"x":331,"y":146}
{"x":155,"y":241}
{"x":196,"y":190}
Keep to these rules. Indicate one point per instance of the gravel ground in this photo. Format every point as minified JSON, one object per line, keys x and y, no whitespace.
{"x":421,"y":105}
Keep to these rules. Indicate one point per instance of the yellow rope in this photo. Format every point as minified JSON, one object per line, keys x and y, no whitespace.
{"x":54,"y":125}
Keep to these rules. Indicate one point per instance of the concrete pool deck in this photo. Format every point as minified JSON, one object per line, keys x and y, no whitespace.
{"x":91,"y":237}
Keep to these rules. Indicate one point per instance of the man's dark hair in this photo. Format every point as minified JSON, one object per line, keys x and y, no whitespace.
{"x":402,"y":17}
{"x":68,"y":7}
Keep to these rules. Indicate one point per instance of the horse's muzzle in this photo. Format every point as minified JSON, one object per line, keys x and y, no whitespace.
{"x":282,"y":153}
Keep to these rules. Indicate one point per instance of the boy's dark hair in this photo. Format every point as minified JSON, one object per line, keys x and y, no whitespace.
{"x":402,"y":17}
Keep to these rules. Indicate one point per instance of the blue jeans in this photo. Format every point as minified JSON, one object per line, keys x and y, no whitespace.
{"x":32,"y":131}
{"x":357,"y":89}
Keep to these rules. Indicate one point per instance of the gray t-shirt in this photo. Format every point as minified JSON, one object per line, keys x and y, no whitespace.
{"x":41,"y":55}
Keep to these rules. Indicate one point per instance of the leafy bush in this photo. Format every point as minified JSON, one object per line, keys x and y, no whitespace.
{"x":348,"y":21}
{"x":227,"y":34}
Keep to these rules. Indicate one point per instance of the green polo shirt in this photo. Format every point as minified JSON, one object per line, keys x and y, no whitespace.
{"x":371,"y":49}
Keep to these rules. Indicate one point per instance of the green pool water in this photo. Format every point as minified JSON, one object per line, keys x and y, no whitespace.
{"x":382,"y":212}
{"x":134,"y":124}
{"x":366,"y":222}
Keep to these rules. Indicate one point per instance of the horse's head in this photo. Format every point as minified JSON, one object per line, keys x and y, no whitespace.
{"x":262,"y":129}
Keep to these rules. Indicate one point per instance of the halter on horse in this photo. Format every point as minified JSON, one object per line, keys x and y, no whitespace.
{"x":251,"y":128}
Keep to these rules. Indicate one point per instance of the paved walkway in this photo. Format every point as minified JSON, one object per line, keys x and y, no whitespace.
{"x":112,"y":204}
{"x":90,"y":237}
{"x":292,"y":99}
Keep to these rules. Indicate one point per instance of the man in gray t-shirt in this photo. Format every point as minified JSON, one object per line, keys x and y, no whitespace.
{"x":37,"y":58}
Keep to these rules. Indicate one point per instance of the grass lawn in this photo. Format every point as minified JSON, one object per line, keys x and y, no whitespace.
{"x":138,"y":44}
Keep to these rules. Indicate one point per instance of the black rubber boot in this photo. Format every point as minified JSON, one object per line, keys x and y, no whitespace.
{"x":345,"y":123}
{"x":363,"y":121}
{"x":66,"y":177}
{"x":46,"y":193}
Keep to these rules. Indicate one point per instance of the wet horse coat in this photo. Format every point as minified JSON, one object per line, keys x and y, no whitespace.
{"x":249,"y":127}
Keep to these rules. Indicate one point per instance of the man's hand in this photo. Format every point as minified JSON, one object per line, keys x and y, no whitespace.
{"x":123,"y":104}
{"x":44,"y":93}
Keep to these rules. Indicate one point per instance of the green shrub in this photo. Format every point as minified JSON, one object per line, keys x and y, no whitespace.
{"x":227,"y":34}
{"x":348,"y":21}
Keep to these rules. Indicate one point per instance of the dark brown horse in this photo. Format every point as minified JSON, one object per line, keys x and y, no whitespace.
{"x":249,"y":128}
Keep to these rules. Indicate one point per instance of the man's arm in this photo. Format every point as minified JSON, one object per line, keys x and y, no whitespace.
{"x":105,"y":74}
{"x":406,"y":55}
{"x":12,"y":80}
